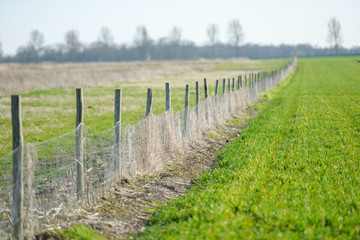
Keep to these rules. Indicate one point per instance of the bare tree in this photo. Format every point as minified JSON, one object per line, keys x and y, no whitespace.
{"x":36,"y":40}
{"x":213,"y":33}
{"x":334,"y":35}
{"x":143,"y":41}
{"x":36,"y":43}
{"x":105,"y":43}
{"x":73,"y":44}
{"x":175,"y":35}
{"x":236,"y":34}
{"x":105,"y":37}
{"x":175,"y":39}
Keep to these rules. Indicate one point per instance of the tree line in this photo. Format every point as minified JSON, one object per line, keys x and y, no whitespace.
{"x":169,"y":47}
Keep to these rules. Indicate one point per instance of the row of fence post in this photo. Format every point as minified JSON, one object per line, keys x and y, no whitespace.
{"x":17,"y":204}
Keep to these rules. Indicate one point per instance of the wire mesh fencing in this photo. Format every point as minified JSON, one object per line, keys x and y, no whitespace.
{"x":50,"y":168}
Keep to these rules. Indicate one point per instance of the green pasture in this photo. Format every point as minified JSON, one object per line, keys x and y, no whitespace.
{"x":50,"y":113}
{"x":293,"y":173}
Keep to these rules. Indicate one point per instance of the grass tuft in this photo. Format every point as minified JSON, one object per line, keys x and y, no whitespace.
{"x":81,"y":232}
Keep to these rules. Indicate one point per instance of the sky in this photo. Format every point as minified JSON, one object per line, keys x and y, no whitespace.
{"x":263,"y":21}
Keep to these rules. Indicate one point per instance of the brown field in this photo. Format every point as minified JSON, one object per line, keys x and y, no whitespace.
{"x":20,"y":78}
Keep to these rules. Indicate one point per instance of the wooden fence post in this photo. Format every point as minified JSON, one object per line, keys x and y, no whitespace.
{"x":148,"y":101}
{"x":241,"y":83}
{"x":197,"y":97}
{"x":79,"y":134}
{"x":216,"y":89}
{"x":205,"y":88}
{"x":238,"y":83}
{"x":197,"y":93}
{"x":186,"y":108}
{"x":229,"y":85}
{"x":233,"y":84}
{"x":18,"y":185}
{"x":168,"y":96}
{"x":117,"y":118}
{"x":187,"y":96}
{"x":224,"y":85}
{"x":229,"y":96}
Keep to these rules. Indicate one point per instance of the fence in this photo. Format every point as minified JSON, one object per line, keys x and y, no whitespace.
{"x":41,"y":182}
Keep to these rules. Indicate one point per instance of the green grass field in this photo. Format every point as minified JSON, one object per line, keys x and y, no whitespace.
{"x":293,"y":173}
{"x":50,"y":113}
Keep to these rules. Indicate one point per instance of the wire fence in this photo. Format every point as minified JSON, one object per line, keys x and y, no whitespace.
{"x":49,"y":170}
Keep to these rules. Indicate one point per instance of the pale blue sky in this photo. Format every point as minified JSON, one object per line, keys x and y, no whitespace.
{"x":263,"y":21}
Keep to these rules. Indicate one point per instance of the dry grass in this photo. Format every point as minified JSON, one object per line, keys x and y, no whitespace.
{"x":20,"y":78}
{"x":128,"y":204}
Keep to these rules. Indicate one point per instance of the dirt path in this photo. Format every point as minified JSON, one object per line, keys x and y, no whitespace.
{"x":125,"y":209}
